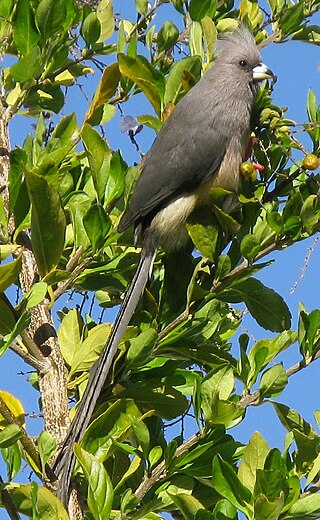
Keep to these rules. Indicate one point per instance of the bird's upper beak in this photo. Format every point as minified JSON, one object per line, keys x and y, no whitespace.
{"x":261,"y":72}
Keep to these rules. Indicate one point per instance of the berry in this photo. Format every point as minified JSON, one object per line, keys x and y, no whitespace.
{"x":310,"y":162}
{"x":247,"y":170}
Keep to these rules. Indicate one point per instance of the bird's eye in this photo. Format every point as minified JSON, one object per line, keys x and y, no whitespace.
{"x":243,"y":63}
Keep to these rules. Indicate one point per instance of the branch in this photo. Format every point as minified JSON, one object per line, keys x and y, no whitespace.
{"x":41,"y":366}
{"x":8,"y":504}
{"x":67,"y":284}
{"x":160,"y":472}
{"x":26,"y":441}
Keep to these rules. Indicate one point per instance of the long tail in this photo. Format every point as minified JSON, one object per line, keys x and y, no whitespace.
{"x":65,"y":461}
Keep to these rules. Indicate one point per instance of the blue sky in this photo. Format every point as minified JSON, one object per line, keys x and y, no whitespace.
{"x":296,"y":65}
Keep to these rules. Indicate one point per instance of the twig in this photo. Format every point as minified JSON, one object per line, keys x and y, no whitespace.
{"x":305,"y":265}
{"x":7,"y":503}
{"x":67,"y":284}
{"x":160,"y":472}
{"x":26,"y":441}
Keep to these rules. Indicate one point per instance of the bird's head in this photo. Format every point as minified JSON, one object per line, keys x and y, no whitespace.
{"x":240,"y":58}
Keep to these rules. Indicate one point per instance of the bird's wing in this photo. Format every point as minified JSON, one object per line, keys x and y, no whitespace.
{"x":187,"y":151}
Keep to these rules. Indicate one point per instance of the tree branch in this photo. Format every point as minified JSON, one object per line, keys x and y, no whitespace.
{"x":8,"y":504}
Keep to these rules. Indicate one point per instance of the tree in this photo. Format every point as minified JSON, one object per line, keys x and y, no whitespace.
{"x":63,"y":192}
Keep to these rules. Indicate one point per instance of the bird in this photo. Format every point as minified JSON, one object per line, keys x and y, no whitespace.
{"x":200,"y":146}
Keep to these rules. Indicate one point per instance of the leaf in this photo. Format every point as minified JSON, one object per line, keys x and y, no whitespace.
{"x":27,"y":67}
{"x":69,"y":335}
{"x":291,"y":420}
{"x":9,"y":435}
{"x":198,"y":9}
{"x":48,"y":505}
{"x":174,"y":83}
{"x":148,"y":79}
{"x":106,"y":89}
{"x":167,"y":36}
{"x":90,"y":29}
{"x":47,"y":447}
{"x":250,"y":247}
{"x":7,"y":316}
{"x":48,"y":223}
{"x":273,"y":381}
{"x":151,"y":121}
{"x":106,"y":19}
{"x":265,"y":509}
{"x":115,"y":179}
{"x":12,"y":458}
{"x":99,"y":156}
{"x":188,"y":505}
{"x":14,"y":406}
{"x":228,"y":485}
{"x":36,"y":294}
{"x":97,"y":224}
{"x":91,"y":347}
{"x":115,"y":424}
{"x":50,"y":15}
{"x":141,"y":6}
{"x":266,"y":306}
{"x":254,"y":457}
{"x":25,"y":33}
{"x":9,"y":273}
{"x":100,"y":490}
{"x":141,"y":348}
{"x":202,"y":227}
{"x":307,"y":508}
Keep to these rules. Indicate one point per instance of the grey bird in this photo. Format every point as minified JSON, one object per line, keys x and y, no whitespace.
{"x":201,"y":145}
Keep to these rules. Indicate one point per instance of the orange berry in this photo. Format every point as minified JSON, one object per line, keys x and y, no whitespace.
{"x":310,"y":162}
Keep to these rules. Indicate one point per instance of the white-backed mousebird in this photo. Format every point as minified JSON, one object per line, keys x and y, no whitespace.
{"x":201,"y":145}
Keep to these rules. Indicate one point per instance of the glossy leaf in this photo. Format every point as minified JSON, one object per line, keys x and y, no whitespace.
{"x":103,"y":93}
{"x":254,"y":457}
{"x":48,"y":505}
{"x":100,"y":490}
{"x":97,"y":225}
{"x":273,"y":381}
{"x":91,"y":347}
{"x":25,"y":33}
{"x":106,"y":19}
{"x":167,"y":36}
{"x":9,"y":273}
{"x":227,"y":484}
{"x":48,"y":223}
{"x":50,"y":15}
{"x":9,"y":435}
{"x":47,"y":446}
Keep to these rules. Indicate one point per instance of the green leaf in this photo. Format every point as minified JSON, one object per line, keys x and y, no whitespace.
{"x":195,"y":40}
{"x":22,"y":323}
{"x":69,"y":335}
{"x":90,"y":29}
{"x":106,"y":19}
{"x":97,"y":224}
{"x":227,"y":484}
{"x":147,"y":77}
{"x":48,"y":223}
{"x":198,"y":9}
{"x":100,"y":490}
{"x":9,"y":273}
{"x":275,"y":221}
{"x":203,"y":229}
{"x":115,"y":424}
{"x":115,"y":179}
{"x":141,"y":348}
{"x":273,"y":381}
{"x":7,"y":317}
{"x":48,"y":505}
{"x":88,"y":352}
{"x":50,"y":15}
{"x":223,"y":267}
{"x":142,"y":434}
{"x":249,"y":247}
{"x":9,"y":435}
{"x":188,"y":505}
{"x":99,"y":156}
{"x":291,"y":420}
{"x":12,"y":458}
{"x":167,"y":36}
{"x":47,"y":446}
{"x":307,"y":508}
{"x":254,"y":457}
{"x":36,"y":294}
{"x":266,"y":306}
{"x":28,"y":67}
{"x":210,"y":34}
{"x":141,"y":6}
{"x":25,"y":33}
{"x":174,"y":82}
{"x":265,"y":509}
{"x":151,"y":121}
{"x":106,"y":89}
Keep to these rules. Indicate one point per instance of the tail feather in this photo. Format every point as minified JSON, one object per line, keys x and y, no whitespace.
{"x":65,"y":461}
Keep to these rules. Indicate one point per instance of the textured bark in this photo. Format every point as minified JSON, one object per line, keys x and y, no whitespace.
{"x":52,"y":380}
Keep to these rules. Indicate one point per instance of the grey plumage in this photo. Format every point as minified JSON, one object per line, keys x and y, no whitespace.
{"x":200,"y":145}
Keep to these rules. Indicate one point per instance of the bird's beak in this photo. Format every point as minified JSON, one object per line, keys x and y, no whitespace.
{"x":261,"y":72}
